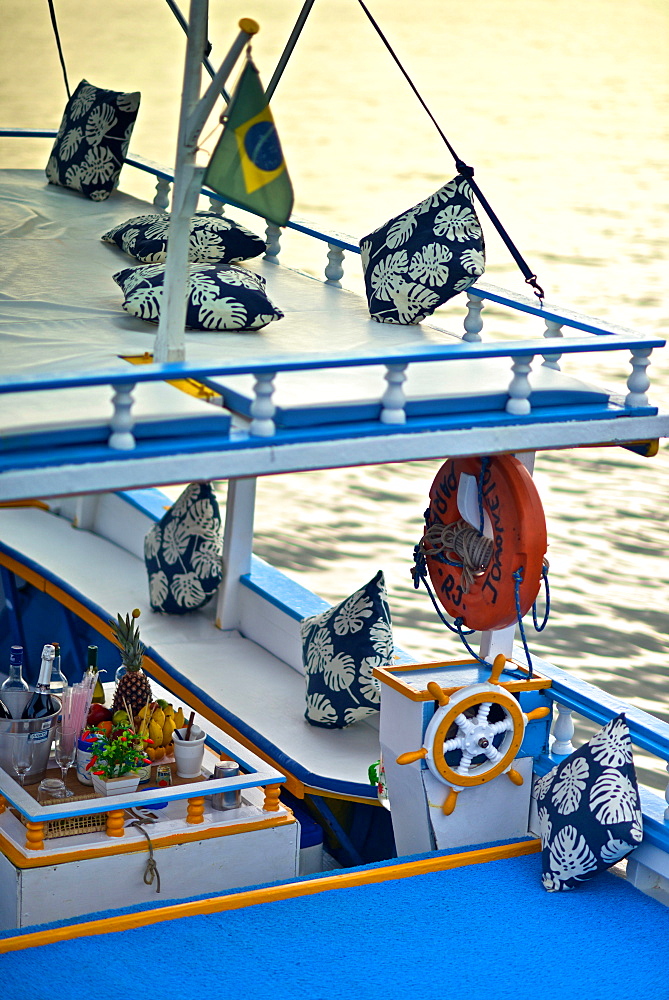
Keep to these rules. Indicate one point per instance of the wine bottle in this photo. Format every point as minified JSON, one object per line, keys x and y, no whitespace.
{"x":58,"y":682}
{"x":41,"y":703}
{"x":15,"y":681}
{"x":4,"y":711}
{"x":92,"y":668}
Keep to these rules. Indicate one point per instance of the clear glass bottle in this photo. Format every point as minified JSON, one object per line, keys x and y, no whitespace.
{"x":58,"y":682}
{"x":15,"y":681}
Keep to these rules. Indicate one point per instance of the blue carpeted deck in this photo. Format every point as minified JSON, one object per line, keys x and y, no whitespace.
{"x":488,"y":931}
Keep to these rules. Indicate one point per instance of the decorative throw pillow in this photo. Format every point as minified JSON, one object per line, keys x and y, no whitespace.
{"x":213,"y":239}
{"x":340,"y":648}
{"x":92,"y":141}
{"x":424,"y":257}
{"x":220,"y":296}
{"x":182,"y":552}
{"x":589,"y":809}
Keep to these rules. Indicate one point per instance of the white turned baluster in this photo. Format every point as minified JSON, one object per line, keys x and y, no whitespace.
{"x":638,"y":382}
{"x":262,"y":407}
{"x":161,"y":199}
{"x":553,"y":329}
{"x":563,"y":731}
{"x":473,"y":320}
{"x":122,"y":423}
{"x":216,"y":206}
{"x":519,"y":388}
{"x":273,"y":241}
{"x":394,"y":400}
{"x":334,"y":271}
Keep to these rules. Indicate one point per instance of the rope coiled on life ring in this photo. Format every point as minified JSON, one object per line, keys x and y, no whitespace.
{"x":465,"y":542}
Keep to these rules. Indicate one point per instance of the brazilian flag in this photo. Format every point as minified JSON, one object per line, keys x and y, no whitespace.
{"x":247,"y":167}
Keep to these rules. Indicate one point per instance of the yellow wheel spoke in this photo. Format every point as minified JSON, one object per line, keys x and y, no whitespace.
{"x":449,"y":802}
{"x":412,"y":755}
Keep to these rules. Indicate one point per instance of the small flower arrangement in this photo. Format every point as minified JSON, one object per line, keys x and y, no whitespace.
{"x":117,"y":754}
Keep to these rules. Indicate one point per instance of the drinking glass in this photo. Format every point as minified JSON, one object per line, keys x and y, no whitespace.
{"x":65,"y":751}
{"x":22,"y":754}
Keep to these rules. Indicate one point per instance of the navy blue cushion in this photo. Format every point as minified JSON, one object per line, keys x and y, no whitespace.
{"x":213,"y":239}
{"x":92,"y":141}
{"x":340,"y":648}
{"x":589,"y":809}
{"x":220,"y":296}
{"x":425,"y":256}
{"x":182,"y":552}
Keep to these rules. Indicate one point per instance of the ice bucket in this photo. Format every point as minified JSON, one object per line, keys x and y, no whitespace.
{"x":40,"y":732}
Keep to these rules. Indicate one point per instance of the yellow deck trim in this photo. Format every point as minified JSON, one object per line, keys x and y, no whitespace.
{"x":47,"y":859}
{"x":269,"y":894}
{"x":188,"y":385}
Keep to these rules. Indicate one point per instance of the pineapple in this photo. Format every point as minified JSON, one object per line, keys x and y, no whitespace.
{"x":133,"y":687}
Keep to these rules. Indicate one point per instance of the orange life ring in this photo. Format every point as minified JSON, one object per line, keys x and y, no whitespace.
{"x":517,"y":526}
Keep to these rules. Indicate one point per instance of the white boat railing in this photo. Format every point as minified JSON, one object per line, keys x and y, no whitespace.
{"x":571,"y":696}
{"x":257,"y":439}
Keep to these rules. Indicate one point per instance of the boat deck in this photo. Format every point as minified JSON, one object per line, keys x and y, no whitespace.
{"x":289,"y":394}
{"x":374,"y":927}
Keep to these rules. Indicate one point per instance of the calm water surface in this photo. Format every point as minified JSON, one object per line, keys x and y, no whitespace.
{"x":562,"y":109}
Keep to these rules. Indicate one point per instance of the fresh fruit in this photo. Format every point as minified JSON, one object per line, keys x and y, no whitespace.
{"x":155,"y":733}
{"x":168,"y":729}
{"x":133,"y":688}
{"x":121,"y":718}
{"x":156,"y":722}
{"x":97,"y":714}
{"x":158,"y":716}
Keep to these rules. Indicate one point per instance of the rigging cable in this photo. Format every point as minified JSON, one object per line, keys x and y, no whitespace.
{"x":462,"y":168}
{"x":54,"y":24}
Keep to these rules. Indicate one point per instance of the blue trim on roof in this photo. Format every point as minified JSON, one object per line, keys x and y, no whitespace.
{"x":78,"y":454}
{"x":150,"y":501}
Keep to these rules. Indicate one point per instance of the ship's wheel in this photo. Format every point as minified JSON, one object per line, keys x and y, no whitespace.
{"x":473,"y":736}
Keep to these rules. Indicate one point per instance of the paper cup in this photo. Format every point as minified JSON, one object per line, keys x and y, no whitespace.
{"x":188,"y":754}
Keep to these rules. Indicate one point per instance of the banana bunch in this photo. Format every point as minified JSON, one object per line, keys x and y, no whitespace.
{"x":157,"y":722}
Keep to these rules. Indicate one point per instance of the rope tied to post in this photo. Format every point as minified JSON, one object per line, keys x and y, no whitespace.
{"x":151,"y":872}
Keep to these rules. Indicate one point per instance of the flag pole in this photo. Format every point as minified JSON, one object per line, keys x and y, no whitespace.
{"x":170,"y":344}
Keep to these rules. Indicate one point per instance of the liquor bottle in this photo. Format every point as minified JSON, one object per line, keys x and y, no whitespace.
{"x":41,"y":703}
{"x":15,"y":681}
{"x":92,"y":668}
{"x":4,"y":711}
{"x":58,"y":682}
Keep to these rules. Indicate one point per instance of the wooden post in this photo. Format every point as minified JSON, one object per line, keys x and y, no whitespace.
{"x":195,"y":811}
{"x":34,"y":836}
{"x":271,"y":803}
{"x":115,"y":821}
{"x":237,"y":549}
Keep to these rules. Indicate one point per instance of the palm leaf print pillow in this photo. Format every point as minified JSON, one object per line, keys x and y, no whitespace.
{"x":220,"y":296}
{"x":213,"y":239}
{"x":182,"y":552}
{"x":92,"y":141}
{"x":589,"y":809}
{"x":340,"y":648}
{"x":425,"y":256}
